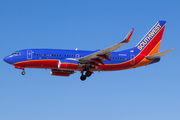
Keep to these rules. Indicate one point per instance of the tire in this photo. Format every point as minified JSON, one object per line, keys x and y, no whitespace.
{"x":88,"y":73}
{"x":23,"y":73}
{"x":83,"y":77}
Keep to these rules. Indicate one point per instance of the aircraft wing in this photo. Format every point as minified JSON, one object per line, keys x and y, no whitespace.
{"x":101,"y":55}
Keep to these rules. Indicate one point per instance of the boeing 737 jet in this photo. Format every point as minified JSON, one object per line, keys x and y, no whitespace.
{"x":65,"y":62}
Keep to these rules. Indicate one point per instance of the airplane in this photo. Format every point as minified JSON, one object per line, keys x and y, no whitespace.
{"x":66,"y":62}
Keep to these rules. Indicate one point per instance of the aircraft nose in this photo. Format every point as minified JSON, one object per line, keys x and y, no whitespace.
{"x":5,"y":59}
{"x":8,"y":59}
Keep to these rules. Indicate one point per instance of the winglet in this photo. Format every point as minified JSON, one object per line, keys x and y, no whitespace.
{"x":128,"y":36}
{"x":159,"y":55}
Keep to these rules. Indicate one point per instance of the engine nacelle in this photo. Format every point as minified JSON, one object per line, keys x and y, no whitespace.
{"x":61,"y":72}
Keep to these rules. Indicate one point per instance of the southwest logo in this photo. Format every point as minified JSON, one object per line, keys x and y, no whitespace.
{"x":149,"y":36}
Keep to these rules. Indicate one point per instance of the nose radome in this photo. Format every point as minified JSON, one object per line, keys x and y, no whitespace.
{"x":7,"y":59}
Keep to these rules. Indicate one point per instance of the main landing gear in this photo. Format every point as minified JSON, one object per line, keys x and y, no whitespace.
{"x":87,"y":74}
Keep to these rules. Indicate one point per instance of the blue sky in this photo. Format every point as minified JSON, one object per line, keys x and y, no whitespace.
{"x":146,"y":93}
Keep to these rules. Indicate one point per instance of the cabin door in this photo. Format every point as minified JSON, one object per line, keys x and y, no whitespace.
{"x":132,"y":59}
{"x":29,"y":54}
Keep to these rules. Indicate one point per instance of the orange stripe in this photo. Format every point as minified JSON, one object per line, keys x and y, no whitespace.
{"x":147,"y":61}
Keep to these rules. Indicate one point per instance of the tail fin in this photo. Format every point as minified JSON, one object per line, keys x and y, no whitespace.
{"x":151,"y":41}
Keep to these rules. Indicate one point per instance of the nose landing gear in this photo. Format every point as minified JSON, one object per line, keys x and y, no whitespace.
{"x":23,"y":72}
{"x":22,"y":68}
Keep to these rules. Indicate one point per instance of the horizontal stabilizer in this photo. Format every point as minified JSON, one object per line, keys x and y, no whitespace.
{"x":159,"y":55}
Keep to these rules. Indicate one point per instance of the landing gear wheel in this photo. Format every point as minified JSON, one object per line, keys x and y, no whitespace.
{"x":83,"y":77}
{"x":88,"y":73}
{"x":23,"y":73}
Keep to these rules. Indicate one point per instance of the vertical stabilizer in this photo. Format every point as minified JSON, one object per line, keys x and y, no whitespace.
{"x":150,"y":43}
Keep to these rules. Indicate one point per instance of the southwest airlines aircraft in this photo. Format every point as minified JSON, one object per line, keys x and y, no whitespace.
{"x":65,"y":62}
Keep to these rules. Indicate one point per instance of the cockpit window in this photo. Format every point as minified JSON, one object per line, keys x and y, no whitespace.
{"x":15,"y":53}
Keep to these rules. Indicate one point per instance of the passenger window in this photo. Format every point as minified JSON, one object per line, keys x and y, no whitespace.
{"x":15,"y":53}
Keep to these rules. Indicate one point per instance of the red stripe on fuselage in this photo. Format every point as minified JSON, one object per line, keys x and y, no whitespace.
{"x":47,"y":64}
